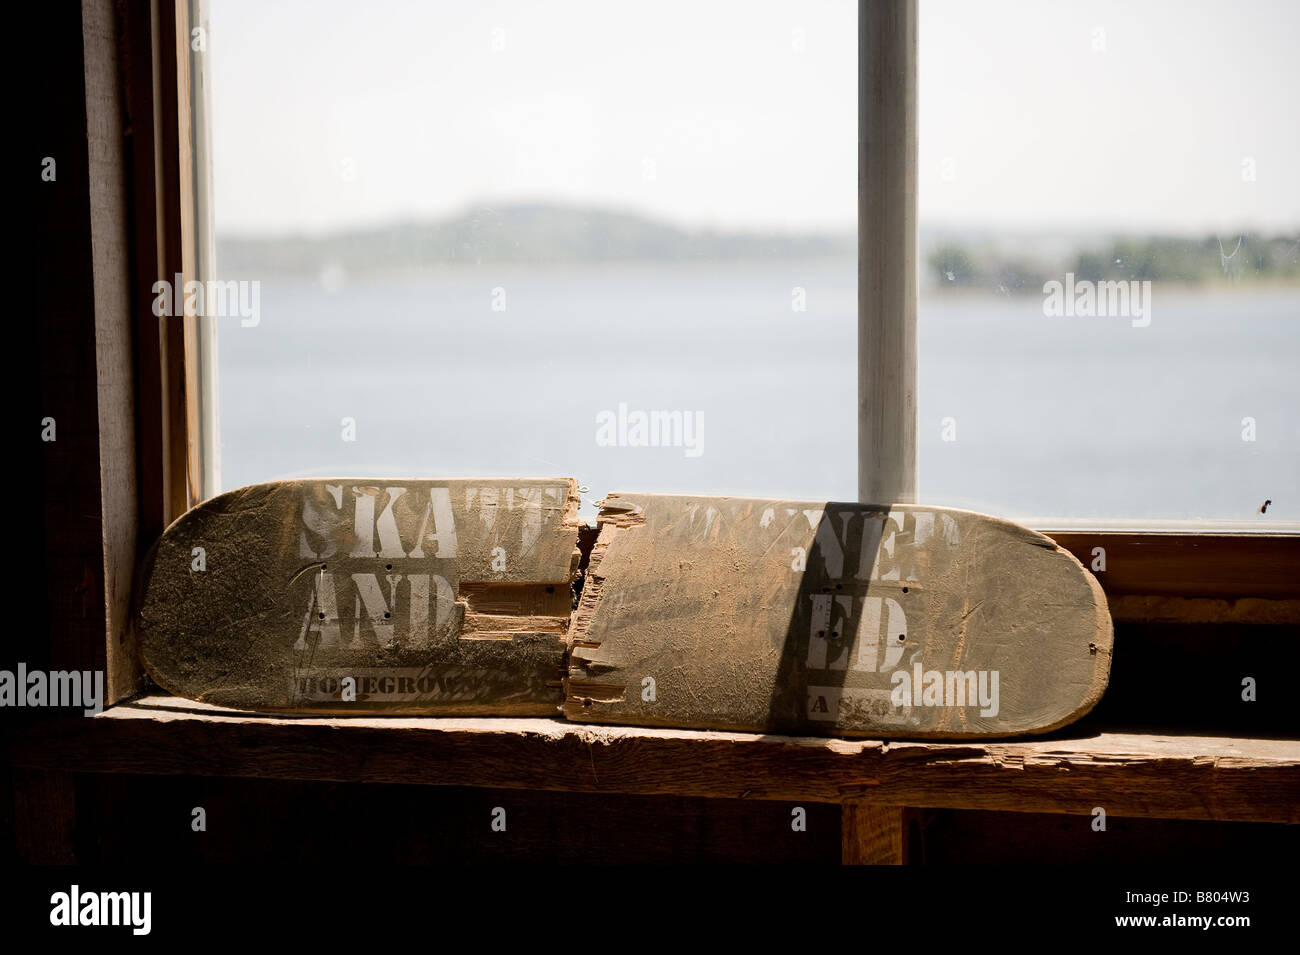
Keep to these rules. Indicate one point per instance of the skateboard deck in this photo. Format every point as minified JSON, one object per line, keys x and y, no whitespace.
{"x":474,"y":597}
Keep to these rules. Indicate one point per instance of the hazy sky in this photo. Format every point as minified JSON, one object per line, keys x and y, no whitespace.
{"x":737,"y":114}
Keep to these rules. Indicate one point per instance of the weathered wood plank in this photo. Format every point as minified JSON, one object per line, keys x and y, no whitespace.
{"x":1202,"y":565}
{"x":110,"y":258}
{"x":81,"y":341}
{"x":432,"y":596}
{"x":1256,"y":611}
{"x":874,"y":835}
{"x":1158,"y":577}
{"x":1186,"y":777}
{"x":808,"y":617}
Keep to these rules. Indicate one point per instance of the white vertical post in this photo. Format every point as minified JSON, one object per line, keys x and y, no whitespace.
{"x":887,"y":251}
{"x":886,"y":319}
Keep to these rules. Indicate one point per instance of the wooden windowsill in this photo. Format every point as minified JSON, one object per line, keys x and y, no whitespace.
{"x":1190,"y":565}
{"x":1200,"y":577}
{"x":1128,"y":774}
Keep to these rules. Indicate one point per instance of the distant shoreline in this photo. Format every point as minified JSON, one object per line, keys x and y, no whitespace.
{"x":539,"y":235}
{"x":1166,"y":287}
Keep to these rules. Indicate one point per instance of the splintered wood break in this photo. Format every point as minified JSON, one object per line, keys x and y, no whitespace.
{"x":489,"y":597}
{"x":580,"y":690}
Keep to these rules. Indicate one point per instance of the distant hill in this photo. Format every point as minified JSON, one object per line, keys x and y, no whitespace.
{"x":542,"y":234}
{"x":1206,"y":260}
{"x":523,"y":233}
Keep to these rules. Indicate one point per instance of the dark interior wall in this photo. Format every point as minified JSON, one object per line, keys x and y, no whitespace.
{"x":1187,"y":678}
{"x":150,"y":821}
{"x":139,"y":819}
{"x":58,"y":296}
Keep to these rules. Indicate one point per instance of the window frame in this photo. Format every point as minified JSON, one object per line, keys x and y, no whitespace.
{"x":174,"y":383}
{"x":133,"y":459}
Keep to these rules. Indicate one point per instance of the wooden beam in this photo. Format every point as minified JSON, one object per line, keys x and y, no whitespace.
{"x":149,"y":223}
{"x":1205,"y":565}
{"x":887,"y":251}
{"x":110,"y":264}
{"x":84,"y":349}
{"x":176,"y":183}
{"x":156,"y":79}
{"x":1180,"y":777}
{"x":1167,"y":577}
{"x":875,"y":835}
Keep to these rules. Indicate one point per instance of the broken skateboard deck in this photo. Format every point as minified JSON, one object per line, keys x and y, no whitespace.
{"x":475,"y":597}
{"x":429,"y":596}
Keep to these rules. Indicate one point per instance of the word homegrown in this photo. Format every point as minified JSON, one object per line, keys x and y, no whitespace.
{"x":1121,"y":299}
{"x":651,"y":429}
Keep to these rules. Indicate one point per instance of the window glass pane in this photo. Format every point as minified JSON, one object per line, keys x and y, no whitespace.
{"x":1151,"y":145}
{"x":497,"y":239}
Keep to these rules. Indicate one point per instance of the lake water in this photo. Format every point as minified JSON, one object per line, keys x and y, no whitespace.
{"x":1052,"y":417}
